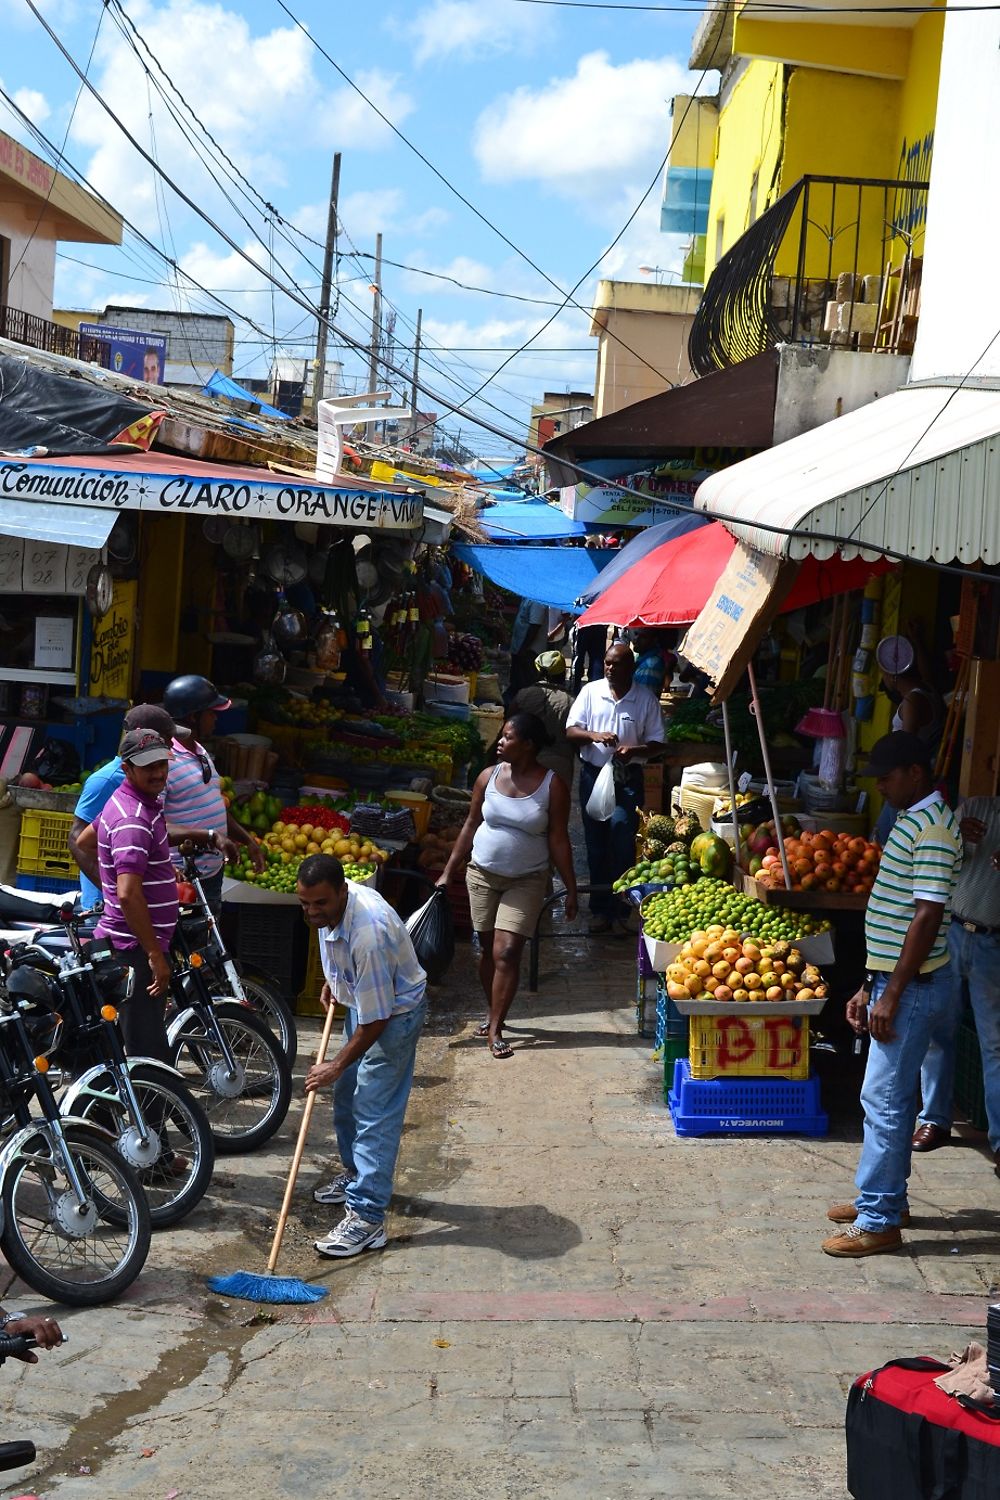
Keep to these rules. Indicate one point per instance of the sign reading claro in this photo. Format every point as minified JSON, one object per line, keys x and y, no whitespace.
{"x":257,"y":499}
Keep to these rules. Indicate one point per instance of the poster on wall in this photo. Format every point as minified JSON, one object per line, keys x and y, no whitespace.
{"x":141,"y":356}
{"x":112,"y":643}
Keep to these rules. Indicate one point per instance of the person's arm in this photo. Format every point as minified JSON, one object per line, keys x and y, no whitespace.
{"x":375,"y":997}
{"x":240,"y":835}
{"x":45,"y":1331}
{"x":559,"y":845}
{"x":462,"y":847}
{"x":919,"y":940}
{"x":322,"y":1074}
{"x":83,"y":847}
{"x":915,"y":711}
{"x":205,"y":838}
{"x":135,"y":910}
{"x":650,"y":736}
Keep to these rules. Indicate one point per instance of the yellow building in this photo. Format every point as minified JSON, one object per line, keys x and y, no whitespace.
{"x":843,"y":95}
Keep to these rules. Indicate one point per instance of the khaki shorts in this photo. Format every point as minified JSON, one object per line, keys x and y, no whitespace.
{"x":510,"y":903}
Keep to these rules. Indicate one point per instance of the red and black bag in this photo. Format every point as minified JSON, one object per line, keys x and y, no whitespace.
{"x":908,"y":1440}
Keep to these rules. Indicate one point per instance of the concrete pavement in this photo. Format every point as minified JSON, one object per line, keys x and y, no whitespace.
{"x":573,"y":1301}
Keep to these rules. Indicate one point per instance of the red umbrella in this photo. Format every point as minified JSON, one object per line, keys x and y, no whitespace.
{"x":670,"y":585}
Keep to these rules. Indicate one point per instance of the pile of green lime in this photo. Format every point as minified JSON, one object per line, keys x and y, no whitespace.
{"x":672,"y":869}
{"x":672,"y":916}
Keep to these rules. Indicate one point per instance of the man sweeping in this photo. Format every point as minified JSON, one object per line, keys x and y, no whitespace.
{"x":370,"y":967}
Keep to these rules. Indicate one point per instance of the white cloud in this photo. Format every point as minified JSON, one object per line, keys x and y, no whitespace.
{"x":250,"y":90}
{"x":474,"y":28}
{"x":34,"y":104}
{"x":583,"y":135}
{"x":368,"y":212}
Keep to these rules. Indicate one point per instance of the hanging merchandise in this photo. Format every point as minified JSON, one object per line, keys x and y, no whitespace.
{"x":289,"y":626}
{"x":269,"y":665}
{"x":328,"y":642}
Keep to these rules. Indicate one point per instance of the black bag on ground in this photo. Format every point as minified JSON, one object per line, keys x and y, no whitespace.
{"x":432,"y":933}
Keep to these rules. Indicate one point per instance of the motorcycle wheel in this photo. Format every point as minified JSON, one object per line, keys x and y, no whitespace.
{"x":269,"y":1005}
{"x":171,"y":1195}
{"x":245,"y":1112}
{"x":80,"y":1263}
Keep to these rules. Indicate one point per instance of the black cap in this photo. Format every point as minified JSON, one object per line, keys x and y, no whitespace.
{"x":895,"y":751}
{"x":143,"y":747}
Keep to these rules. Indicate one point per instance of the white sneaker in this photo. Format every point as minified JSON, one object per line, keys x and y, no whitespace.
{"x":352,"y":1235}
{"x":334,"y":1191}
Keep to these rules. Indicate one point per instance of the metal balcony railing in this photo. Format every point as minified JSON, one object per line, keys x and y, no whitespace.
{"x":40,"y":333}
{"x":855,"y":244}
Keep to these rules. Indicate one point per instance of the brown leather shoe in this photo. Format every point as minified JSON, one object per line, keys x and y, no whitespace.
{"x":846,"y":1213}
{"x":853,"y":1241}
{"x":930,"y":1137}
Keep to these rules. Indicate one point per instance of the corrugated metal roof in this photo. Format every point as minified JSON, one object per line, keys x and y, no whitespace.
{"x":71,"y":525}
{"x":916,"y":473}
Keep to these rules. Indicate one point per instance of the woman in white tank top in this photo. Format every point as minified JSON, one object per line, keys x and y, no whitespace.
{"x":517,"y":829}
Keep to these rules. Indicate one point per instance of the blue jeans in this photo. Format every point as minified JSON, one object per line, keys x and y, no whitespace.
{"x":889,"y":1096}
{"x":975,"y":961}
{"x":369,"y":1102}
{"x":611,"y":845}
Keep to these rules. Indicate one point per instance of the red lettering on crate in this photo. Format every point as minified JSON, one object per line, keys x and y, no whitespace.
{"x":784,"y":1041}
{"x":736,"y":1041}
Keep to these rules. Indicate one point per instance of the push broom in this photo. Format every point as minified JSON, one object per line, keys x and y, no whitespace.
{"x":250,"y":1287}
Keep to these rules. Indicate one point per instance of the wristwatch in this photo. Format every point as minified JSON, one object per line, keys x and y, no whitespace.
{"x":10,"y":1317}
{"x":212,"y":835}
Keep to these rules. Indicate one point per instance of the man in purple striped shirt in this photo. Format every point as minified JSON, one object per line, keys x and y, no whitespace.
{"x":140,"y":887}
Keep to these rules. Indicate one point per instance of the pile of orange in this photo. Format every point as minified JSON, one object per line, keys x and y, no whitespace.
{"x":822,"y":861}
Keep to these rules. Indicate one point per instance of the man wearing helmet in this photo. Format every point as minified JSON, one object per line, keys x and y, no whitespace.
{"x":193,"y":798}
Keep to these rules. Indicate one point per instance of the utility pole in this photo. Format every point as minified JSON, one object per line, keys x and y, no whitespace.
{"x":376,"y":328}
{"x":416,"y":374}
{"x":323,"y":329}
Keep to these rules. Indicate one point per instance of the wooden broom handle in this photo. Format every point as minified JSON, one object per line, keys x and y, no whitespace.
{"x":300,"y":1146}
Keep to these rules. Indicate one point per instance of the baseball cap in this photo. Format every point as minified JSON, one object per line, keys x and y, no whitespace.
{"x":895,"y":751}
{"x":154,"y":716}
{"x":142,"y":747}
{"x":551,"y":663}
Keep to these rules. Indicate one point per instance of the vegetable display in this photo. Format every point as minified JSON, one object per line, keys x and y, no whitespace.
{"x":674,"y":916}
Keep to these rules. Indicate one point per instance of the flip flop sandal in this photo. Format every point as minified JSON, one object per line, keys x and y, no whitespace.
{"x":500,"y":1048}
{"x":483,"y":1030}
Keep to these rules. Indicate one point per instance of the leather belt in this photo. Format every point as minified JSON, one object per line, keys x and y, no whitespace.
{"x":975,"y":926}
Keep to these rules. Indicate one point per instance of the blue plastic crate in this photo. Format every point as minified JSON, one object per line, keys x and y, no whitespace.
{"x":46,"y":883}
{"x":744,"y":1106}
{"x":670,"y":1024}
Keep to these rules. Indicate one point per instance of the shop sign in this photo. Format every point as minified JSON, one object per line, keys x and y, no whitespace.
{"x":605,"y":505}
{"x":263,"y":499}
{"x":111,"y":644}
{"x":736,"y":615}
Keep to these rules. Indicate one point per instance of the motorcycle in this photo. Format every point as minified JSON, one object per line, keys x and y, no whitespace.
{"x":74,"y":1221}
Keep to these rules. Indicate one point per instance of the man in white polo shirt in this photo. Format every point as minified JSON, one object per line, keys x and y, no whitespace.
{"x":613,"y":719}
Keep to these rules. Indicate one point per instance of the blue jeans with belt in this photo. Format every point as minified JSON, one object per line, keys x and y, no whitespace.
{"x":369,"y":1103}
{"x":975,"y":961}
{"x":890,"y":1091}
{"x":610,"y":845}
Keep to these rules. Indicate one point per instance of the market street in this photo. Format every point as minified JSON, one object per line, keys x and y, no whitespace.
{"x":573,"y":1302}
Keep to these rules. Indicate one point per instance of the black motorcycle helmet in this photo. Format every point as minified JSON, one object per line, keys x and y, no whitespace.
{"x":189,"y":695}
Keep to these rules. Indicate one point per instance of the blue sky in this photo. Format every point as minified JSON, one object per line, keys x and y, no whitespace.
{"x":551,"y":121}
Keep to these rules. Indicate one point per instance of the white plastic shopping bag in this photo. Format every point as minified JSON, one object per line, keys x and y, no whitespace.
{"x":601,"y":802}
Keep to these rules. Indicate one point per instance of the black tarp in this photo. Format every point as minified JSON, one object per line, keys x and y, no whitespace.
{"x":64,"y":414}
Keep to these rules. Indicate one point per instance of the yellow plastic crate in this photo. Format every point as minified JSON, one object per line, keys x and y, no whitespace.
{"x":43,"y":845}
{"x":749,"y":1044}
{"x":307,"y":1003}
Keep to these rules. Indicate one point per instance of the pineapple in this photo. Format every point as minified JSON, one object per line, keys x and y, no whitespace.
{"x":686,"y":825}
{"x":677,"y":847}
{"x":654,"y":849}
{"x":659,"y":826}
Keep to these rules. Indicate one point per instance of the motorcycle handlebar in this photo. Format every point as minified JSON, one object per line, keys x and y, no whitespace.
{"x":12,"y":1345}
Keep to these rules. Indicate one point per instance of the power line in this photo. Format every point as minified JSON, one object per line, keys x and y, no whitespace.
{"x":763,"y":7}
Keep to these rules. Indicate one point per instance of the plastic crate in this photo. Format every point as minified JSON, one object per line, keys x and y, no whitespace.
{"x":642,"y":960}
{"x":744,"y":1106}
{"x":47,"y":884}
{"x":273,"y":940}
{"x":670,"y":1024}
{"x":749,"y":1045}
{"x":43,"y":846}
{"x":307,"y":1003}
{"x":970,"y":1095}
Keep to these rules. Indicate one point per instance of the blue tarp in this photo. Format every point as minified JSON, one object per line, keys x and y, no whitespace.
{"x":529,"y":522}
{"x":646,"y":541}
{"x":222,"y":385}
{"x":552,"y":575}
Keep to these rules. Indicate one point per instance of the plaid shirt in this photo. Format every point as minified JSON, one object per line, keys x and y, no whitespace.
{"x":369,"y":960}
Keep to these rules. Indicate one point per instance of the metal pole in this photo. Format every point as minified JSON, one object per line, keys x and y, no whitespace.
{"x":416,"y":364}
{"x":765,"y":756}
{"x":323,"y":325}
{"x":376,"y":329}
{"x":732,"y":786}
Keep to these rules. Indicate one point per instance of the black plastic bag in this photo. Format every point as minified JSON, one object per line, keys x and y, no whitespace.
{"x":432,"y":933}
{"x":57,"y":762}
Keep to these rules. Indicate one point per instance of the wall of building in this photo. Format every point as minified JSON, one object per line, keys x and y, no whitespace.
{"x":748,"y":147}
{"x":960,"y":309}
{"x":30,"y":260}
{"x":819,"y":384}
{"x":657,"y":340}
{"x":197,"y":344}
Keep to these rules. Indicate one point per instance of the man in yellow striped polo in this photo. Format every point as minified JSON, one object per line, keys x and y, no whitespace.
{"x":910,"y":992}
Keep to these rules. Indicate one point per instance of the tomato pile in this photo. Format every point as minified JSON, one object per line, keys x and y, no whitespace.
{"x":315,"y":814}
{"x":823,"y":861}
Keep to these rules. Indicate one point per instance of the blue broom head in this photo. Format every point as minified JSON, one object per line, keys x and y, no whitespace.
{"x":250,"y":1288}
